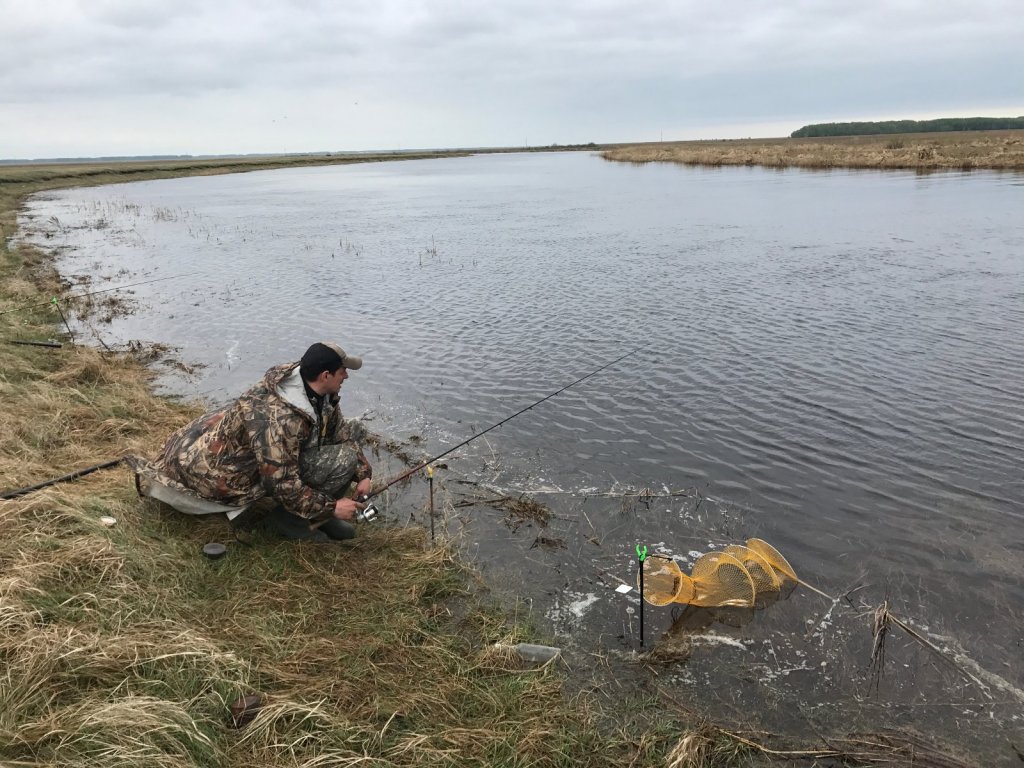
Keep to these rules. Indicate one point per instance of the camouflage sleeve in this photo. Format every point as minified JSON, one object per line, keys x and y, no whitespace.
{"x":344,"y":430}
{"x":276,"y":447}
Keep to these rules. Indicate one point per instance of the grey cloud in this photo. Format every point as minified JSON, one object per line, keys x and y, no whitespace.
{"x":122,"y":49}
{"x":139,"y":16}
{"x":545,"y":41}
{"x":285,"y":43}
{"x":569,"y":66}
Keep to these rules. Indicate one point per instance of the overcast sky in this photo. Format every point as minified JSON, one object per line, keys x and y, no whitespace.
{"x":127,"y":77}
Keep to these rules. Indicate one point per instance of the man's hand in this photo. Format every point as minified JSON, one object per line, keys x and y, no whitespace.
{"x":364,"y":487}
{"x":345,"y":509}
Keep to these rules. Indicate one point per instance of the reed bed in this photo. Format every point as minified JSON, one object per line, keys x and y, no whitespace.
{"x":965,"y":150}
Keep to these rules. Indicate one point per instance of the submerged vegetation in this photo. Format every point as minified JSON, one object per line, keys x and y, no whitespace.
{"x":16,"y":181}
{"x":929,"y":151}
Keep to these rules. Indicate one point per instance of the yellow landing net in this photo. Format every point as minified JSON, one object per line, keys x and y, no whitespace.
{"x":717,"y":580}
{"x":738,"y":576}
{"x":664,"y":582}
{"x":766,"y":580}
{"x":783,"y":570}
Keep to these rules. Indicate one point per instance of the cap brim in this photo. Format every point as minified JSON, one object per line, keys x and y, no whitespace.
{"x":352,"y":362}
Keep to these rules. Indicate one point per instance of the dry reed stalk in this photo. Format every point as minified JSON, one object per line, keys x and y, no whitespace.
{"x":943,"y":655}
{"x":703,"y":748}
{"x":519,"y":509}
{"x":926,"y":151}
{"x":881,"y":620}
{"x":690,"y":751}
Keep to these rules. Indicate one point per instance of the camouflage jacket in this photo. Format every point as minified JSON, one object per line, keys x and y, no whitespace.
{"x":251,"y":449}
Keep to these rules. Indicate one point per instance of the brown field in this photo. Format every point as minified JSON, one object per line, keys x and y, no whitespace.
{"x":963,"y":150}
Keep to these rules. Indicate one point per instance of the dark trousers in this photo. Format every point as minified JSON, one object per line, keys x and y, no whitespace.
{"x":297,"y":528}
{"x":328,"y":468}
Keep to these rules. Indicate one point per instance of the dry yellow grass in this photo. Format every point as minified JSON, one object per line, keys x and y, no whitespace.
{"x":966,"y":150}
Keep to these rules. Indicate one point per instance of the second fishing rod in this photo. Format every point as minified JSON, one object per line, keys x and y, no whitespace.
{"x":371,"y":511}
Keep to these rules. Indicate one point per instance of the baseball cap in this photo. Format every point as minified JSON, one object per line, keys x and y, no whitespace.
{"x":328,"y":356}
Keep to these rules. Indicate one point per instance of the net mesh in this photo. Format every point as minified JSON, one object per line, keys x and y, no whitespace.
{"x":766,"y":581}
{"x":783,"y":570}
{"x":737,"y":576}
{"x":721,"y":580}
{"x":664,"y":582}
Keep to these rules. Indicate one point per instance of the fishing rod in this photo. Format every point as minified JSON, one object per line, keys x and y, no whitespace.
{"x":428,"y":462}
{"x":62,"y":479}
{"x":89,"y":470}
{"x":30,"y":305}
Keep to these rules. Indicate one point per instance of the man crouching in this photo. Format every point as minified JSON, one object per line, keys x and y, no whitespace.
{"x":284,"y":438}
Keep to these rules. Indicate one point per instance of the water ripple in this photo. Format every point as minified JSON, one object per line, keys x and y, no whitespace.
{"x":854,"y":379}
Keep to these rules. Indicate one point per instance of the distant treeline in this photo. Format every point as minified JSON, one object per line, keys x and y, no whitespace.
{"x":909,"y":126}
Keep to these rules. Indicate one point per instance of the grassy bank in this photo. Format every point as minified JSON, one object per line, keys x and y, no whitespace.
{"x":966,"y":150}
{"x":123,"y":646}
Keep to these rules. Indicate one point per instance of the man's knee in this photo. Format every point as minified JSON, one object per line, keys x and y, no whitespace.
{"x":329,"y":468}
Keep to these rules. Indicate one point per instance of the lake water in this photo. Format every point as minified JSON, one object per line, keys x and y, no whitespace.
{"x":831,"y":361}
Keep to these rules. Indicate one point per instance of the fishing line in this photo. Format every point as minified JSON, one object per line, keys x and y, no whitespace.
{"x":104,"y":465}
{"x":428,"y":462}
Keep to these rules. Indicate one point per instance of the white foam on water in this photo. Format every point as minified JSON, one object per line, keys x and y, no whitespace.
{"x":579,"y":607}
{"x":714,"y":639}
{"x":567,"y":610}
{"x":232,"y":353}
{"x":982,"y":676}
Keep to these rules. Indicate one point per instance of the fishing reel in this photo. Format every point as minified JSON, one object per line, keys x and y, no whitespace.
{"x":369,"y":513}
